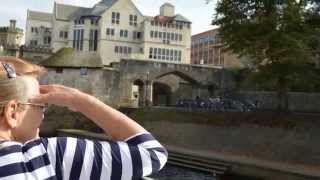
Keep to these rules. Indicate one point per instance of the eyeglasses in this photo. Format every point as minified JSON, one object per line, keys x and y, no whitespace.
{"x":43,"y":107}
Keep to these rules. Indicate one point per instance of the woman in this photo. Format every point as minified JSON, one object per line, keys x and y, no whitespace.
{"x":134,"y":153}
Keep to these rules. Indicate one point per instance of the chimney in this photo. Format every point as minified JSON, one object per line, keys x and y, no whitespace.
{"x":167,"y":9}
{"x":13,"y":24}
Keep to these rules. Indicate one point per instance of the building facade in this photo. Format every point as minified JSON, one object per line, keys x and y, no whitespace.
{"x":206,"y":48}
{"x":114,"y":29}
{"x":10,"y":39}
{"x":38,"y":29}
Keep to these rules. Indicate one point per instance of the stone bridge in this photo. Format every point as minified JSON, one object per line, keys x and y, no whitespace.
{"x":147,"y":83}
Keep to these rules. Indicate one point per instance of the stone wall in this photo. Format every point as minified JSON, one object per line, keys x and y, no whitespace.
{"x":298,"y":102}
{"x":102,"y":83}
{"x":287,"y":139}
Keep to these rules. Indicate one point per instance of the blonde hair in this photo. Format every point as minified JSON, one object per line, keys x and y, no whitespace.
{"x":17,"y":88}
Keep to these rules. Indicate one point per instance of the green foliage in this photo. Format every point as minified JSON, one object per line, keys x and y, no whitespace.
{"x":280,"y":37}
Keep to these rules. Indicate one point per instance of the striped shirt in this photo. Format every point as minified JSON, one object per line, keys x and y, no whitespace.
{"x":71,"y":158}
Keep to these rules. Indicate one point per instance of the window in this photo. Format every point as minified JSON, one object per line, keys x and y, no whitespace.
{"x":180,"y":37}
{"x":47,"y":40}
{"x":156,"y":34}
{"x":171,"y":55}
{"x":84,"y":71}
{"x":59,"y":70}
{"x":61,"y":34}
{"x":122,"y":50}
{"x":160,"y":34}
{"x":159,"y":53}
{"x":123,"y":33}
{"x":125,"y":50}
{"x":33,"y":42}
{"x":133,"y":20}
{"x":110,"y":32}
{"x":155,"y":53}
{"x":172,"y":36}
{"x":115,"y":19}
{"x":66,"y":35}
{"x":136,"y":35}
{"x":175,"y":55}
{"x":94,"y":21}
{"x":163,"y":54}
{"x":79,"y":21}
{"x":35,"y":29}
{"x":151,"y":34}
{"x":78,"y":39}
{"x":129,"y":50}
{"x":150,"y":53}
{"x":93,"y":40}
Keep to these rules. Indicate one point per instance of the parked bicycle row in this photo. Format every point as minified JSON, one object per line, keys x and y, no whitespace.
{"x":219,"y":104}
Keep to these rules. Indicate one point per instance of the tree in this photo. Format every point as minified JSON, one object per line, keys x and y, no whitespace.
{"x":280,"y":37}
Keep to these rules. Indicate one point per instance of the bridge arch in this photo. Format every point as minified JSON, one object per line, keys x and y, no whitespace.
{"x":180,"y":74}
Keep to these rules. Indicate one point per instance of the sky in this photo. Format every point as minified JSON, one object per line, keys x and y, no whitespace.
{"x":197,"y":11}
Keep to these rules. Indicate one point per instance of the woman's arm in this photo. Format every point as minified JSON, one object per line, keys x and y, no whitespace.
{"x":116,"y":124}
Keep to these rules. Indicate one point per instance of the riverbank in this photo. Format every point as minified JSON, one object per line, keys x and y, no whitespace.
{"x":260,"y":144}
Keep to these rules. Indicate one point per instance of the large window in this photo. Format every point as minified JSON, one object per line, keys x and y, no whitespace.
{"x":122,"y":50}
{"x":165,"y":54}
{"x":166,"y":37}
{"x":93,"y":40}
{"x":78,"y":39}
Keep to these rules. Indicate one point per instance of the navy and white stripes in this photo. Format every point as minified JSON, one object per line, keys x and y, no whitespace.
{"x":71,"y":158}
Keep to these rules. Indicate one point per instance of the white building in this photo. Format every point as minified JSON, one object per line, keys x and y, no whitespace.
{"x":114,"y":29}
{"x":38,"y":29}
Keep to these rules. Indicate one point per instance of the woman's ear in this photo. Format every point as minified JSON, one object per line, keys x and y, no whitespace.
{"x":10,"y":114}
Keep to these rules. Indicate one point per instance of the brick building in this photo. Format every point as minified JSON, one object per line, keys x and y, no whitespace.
{"x":206,"y":48}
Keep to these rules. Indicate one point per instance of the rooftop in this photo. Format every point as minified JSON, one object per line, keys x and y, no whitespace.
{"x":6,"y":29}
{"x":67,"y":57}
{"x":40,"y":16}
